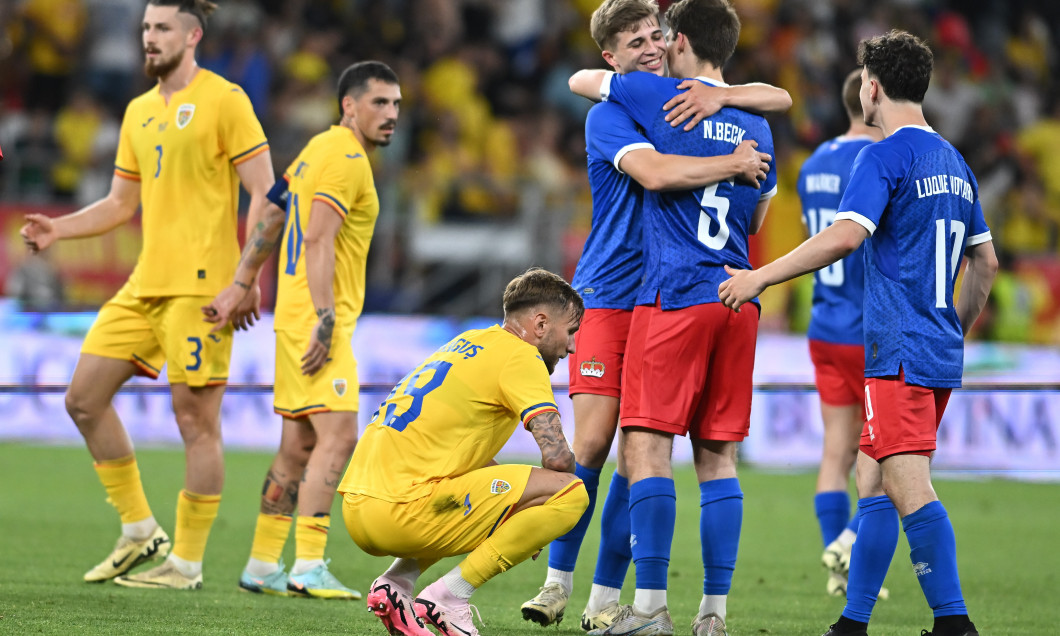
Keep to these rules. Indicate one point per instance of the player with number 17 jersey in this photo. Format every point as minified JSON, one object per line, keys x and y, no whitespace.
{"x":691,"y":234}
{"x":910,"y":320}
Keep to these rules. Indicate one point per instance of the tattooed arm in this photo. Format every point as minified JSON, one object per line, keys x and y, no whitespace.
{"x":324,"y":225}
{"x":556,"y":453}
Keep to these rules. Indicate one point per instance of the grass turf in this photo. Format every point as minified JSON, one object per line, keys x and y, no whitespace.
{"x":54,"y":525}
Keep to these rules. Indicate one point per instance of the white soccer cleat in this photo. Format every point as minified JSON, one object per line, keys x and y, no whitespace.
{"x":163,"y":577}
{"x":547,"y":607}
{"x":129,"y":553}
{"x":628,"y":622}
{"x":708,"y":625}
{"x":602,"y":619}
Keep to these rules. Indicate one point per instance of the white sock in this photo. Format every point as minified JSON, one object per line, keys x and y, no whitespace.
{"x":261,"y":568}
{"x":189,"y":569}
{"x":457,"y":585}
{"x":647,"y":602}
{"x":566,"y":579}
{"x":846,"y":537}
{"x":600,"y":597}
{"x":301,"y":566}
{"x":405,"y":572}
{"x":713,"y":604}
{"x":139,"y":530}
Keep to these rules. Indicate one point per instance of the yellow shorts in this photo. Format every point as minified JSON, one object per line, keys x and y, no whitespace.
{"x":458,"y":515}
{"x":333,"y":388}
{"x":150,"y":332}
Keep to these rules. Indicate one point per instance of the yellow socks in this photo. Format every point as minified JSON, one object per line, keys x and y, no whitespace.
{"x":195,"y":516}
{"x":311,"y":537}
{"x":524,"y":533}
{"x":125,"y":491}
{"x":270,"y":535}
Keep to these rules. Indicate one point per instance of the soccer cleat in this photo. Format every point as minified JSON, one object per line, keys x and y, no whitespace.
{"x":165,"y":576}
{"x":395,"y":608}
{"x":968,"y":631}
{"x":449,"y":620}
{"x":129,"y":553}
{"x":629,"y":622}
{"x":836,"y":559}
{"x":709,"y":625}
{"x":274,"y":584}
{"x":832,"y":631}
{"x":547,"y":607}
{"x":320,"y":583}
{"x":601,"y":619}
{"x":837,"y":584}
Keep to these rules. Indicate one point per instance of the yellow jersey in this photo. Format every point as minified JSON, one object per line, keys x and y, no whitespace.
{"x":333,"y":168}
{"x":450,"y":416}
{"x":184,"y":155}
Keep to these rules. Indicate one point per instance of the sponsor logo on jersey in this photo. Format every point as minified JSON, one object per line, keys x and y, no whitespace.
{"x":593,"y":368}
{"x":339,"y":384}
{"x":920,"y":568}
{"x":499,"y":487}
{"x":184,"y":114}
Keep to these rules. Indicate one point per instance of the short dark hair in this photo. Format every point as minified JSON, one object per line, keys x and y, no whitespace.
{"x":201,"y":9}
{"x":354,"y":80}
{"x":538,"y":286}
{"x":900,"y":62}
{"x":711,"y":26}
{"x":616,"y":16}
{"x":852,"y":96}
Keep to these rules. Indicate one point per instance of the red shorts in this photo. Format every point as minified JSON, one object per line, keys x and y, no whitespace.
{"x":599,"y":345}
{"x":901,"y":418}
{"x":690,"y":371}
{"x":839,"y":372}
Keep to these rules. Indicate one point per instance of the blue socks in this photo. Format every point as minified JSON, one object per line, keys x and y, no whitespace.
{"x":563,"y":551}
{"x":833,"y":513}
{"x":871,"y":556}
{"x":720,"y":520}
{"x":614,"y":556}
{"x":933,"y":552}
{"x":652,"y":514}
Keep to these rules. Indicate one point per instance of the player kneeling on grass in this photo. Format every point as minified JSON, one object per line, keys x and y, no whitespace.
{"x":423,"y":485}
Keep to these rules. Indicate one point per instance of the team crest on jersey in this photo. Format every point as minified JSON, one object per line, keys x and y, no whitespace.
{"x":499,"y":487}
{"x":339,"y":384}
{"x":184,"y":114}
{"x":593,"y":368}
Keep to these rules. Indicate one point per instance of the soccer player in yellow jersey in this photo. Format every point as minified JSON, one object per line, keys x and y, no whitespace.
{"x":331,"y":205}
{"x":423,"y":484}
{"x":183,"y":146}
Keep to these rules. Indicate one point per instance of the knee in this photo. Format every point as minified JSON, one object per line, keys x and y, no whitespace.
{"x":197,"y":428}
{"x":573,"y":497}
{"x":592,"y":450}
{"x":82,"y":408}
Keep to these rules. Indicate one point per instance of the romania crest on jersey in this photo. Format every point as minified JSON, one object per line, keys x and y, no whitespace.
{"x":593,"y":368}
{"x":499,"y":487}
{"x":184,"y":114}
{"x":339,"y":384}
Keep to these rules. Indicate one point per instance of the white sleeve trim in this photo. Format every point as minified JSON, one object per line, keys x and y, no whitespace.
{"x":626,"y":150}
{"x":979,"y":238}
{"x":768,"y":195}
{"x":859,"y":219}
{"x":605,"y":85}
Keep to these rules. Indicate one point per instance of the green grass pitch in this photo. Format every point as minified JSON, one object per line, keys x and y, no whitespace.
{"x":54,"y":525}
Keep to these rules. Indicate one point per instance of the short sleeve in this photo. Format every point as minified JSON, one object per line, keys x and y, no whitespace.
{"x":342,"y":180}
{"x":241,"y":135}
{"x":610,"y":133}
{"x":869,"y":189}
{"x":125,"y":163}
{"x":526,"y":387}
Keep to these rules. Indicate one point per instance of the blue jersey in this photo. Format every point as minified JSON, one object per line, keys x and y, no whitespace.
{"x":839,"y":288}
{"x":612,"y":263}
{"x":919,"y":201}
{"x":690,"y":235}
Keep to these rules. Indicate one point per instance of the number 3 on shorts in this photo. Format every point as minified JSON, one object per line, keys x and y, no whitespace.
{"x":196,"y":354}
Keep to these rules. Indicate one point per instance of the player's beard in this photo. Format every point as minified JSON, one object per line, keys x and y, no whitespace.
{"x":161,"y":67}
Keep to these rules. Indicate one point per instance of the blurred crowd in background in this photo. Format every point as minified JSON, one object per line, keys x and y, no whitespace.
{"x":486,"y":174}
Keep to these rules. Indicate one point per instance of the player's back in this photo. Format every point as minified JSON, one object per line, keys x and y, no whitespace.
{"x":690,"y":235}
{"x":184,"y":155}
{"x":610,"y":268}
{"x":451,"y":415}
{"x":333,"y":169}
{"x":839,"y":289}
{"x":915,"y":252}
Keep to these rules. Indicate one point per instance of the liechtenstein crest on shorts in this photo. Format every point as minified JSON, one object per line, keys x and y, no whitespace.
{"x":339,"y":384}
{"x":184,"y":114}
{"x":593,"y":368}
{"x":499,"y":487}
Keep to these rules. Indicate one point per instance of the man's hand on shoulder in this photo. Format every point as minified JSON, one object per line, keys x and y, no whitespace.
{"x":696,"y":101}
{"x":752,"y":166}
